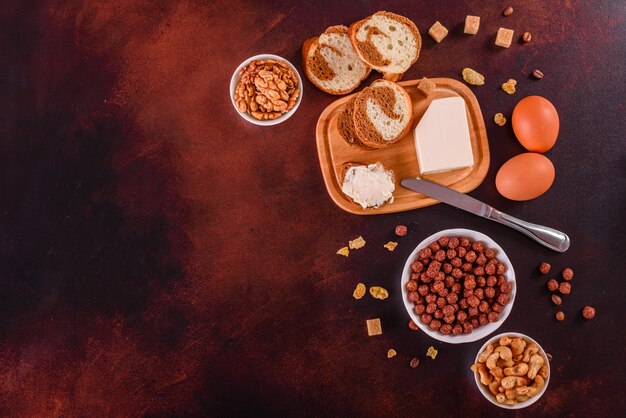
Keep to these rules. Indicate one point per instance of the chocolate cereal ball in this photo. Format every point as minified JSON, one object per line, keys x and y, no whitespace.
{"x":589,"y":312}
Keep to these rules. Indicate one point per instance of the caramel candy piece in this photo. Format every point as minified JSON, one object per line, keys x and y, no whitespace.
{"x":504,"y":37}
{"x":374,"y":327}
{"x":426,"y":86}
{"x":472,"y":24}
{"x":438,"y":32}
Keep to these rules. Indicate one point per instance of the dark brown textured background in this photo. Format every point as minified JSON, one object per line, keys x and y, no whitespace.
{"x":160,"y":256}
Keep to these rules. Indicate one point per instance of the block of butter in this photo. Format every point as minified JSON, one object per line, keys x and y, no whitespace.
{"x":442,"y":137}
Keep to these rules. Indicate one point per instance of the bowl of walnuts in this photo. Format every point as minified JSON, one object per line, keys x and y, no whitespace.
{"x":266,"y":89}
{"x":511,"y":370}
{"x":458,"y":285}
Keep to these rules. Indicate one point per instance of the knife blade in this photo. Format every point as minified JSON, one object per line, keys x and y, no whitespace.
{"x":549,"y":237}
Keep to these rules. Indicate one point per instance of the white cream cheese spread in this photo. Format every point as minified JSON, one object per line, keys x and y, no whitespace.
{"x":370,"y":186}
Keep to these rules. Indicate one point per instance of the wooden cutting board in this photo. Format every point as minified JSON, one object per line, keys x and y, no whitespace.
{"x":401,"y":157}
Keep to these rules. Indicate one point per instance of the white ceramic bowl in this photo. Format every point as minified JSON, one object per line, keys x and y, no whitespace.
{"x":235,"y":79}
{"x":485,"y":390}
{"x":481,"y":331}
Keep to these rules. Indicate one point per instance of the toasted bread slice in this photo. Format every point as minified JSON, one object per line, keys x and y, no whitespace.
{"x":345,"y":125}
{"x":370,"y":186}
{"x":383,"y":114}
{"x":387,"y":42}
{"x":331,"y":63}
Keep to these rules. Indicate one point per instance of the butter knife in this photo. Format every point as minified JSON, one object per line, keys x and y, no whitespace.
{"x":551,"y":238}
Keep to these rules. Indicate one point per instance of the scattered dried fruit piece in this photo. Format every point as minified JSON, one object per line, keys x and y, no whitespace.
{"x":499,"y":119}
{"x":544,"y":268}
{"x":509,"y":86}
{"x":343,"y":251}
{"x":374,"y":327}
{"x":414,"y":362}
{"x":391,"y":245}
{"x":589,"y":312}
{"x":391,"y":353}
{"x":560,"y":316}
{"x":432,"y":353}
{"x":413,"y":325}
{"x":359,"y":291}
{"x":401,"y":230}
{"x":356,"y":243}
{"x":538,"y":74}
{"x":556,"y":299}
{"x":473,"y":77}
{"x":378,"y":292}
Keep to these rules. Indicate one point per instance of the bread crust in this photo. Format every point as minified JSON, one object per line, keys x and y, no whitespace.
{"x":308,"y":49}
{"x":345,"y":169}
{"x":345,"y":125}
{"x":354,"y":28}
{"x":364,"y":134}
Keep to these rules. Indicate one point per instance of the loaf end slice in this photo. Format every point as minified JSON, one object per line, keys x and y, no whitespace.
{"x":345,"y":125}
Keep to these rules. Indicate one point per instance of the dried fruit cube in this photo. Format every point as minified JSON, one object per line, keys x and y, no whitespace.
{"x":357,"y":243}
{"x":426,"y":86}
{"x":473,"y":77}
{"x":472,"y":23}
{"x":374,"y":327}
{"x":378,"y":292}
{"x":391,"y":245}
{"x":499,"y":119}
{"x":432,"y":353}
{"x":509,"y":86}
{"x":343,"y":251}
{"x":504,"y":37}
{"x":438,"y":32}
{"x":391,"y":353}
{"x":359,"y":291}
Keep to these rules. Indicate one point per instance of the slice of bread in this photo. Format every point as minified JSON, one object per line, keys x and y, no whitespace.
{"x":331,"y":63}
{"x":383,"y":114}
{"x":345,"y":125}
{"x":370,"y":186}
{"x":387,"y":42}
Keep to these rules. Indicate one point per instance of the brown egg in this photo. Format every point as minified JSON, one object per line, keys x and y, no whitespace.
{"x":535,"y":123}
{"x":525,"y":176}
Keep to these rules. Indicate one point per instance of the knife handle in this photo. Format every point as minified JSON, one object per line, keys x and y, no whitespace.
{"x":549,"y":237}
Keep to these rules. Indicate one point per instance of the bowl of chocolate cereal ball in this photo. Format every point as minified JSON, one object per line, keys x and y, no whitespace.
{"x":458,"y":285}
